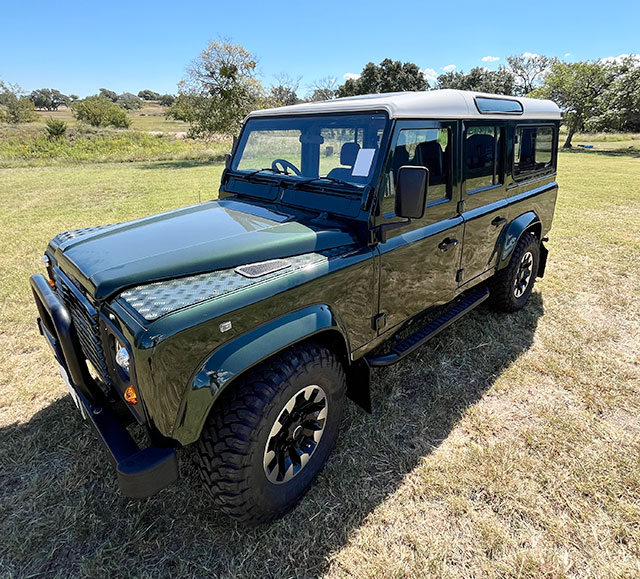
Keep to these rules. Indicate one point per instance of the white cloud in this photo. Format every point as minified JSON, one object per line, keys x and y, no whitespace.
{"x":566,"y":54}
{"x":490,"y":58}
{"x":429,"y":74}
{"x":351,"y":76}
{"x":530,"y":54}
{"x":449,"y":68}
{"x":618,"y":59}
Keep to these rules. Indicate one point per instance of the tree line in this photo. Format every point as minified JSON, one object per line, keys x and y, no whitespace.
{"x":222,"y":86}
{"x":106,"y":108}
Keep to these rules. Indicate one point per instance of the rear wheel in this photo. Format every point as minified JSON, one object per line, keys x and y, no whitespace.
{"x":511,"y":287}
{"x":268,"y":438}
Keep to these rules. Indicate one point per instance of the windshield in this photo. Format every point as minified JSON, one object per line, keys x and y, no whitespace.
{"x":342,"y":150}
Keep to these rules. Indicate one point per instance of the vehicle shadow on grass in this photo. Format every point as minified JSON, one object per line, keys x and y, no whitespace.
{"x":185,"y":163}
{"x":632,"y":152}
{"x":61,"y":512}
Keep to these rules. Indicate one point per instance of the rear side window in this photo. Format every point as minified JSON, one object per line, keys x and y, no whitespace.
{"x":483,"y":157}
{"x":533,"y":151}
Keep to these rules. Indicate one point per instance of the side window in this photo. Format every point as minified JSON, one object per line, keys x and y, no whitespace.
{"x":430,"y":148}
{"x":533,"y":152}
{"x":483,"y":157}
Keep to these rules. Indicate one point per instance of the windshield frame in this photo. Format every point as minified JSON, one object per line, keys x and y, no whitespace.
{"x":304,"y":182}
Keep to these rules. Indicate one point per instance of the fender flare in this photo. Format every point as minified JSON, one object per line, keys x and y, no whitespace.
{"x":513,"y":233}
{"x":235,"y":357}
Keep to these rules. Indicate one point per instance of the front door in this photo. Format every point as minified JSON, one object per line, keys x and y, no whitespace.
{"x":418,"y":263}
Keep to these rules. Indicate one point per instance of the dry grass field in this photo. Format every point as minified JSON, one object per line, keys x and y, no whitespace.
{"x":151,"y":117}
{"x":509,"y":446}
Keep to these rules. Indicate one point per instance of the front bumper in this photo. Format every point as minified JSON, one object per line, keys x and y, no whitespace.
{"x":141,"y":472}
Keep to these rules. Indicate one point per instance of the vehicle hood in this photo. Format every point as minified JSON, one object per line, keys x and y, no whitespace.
{"x":198,"y":239}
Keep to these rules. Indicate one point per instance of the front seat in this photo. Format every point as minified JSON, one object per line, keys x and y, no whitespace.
{"x":348,"y":154}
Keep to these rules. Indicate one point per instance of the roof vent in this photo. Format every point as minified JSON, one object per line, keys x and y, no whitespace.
{"x":262,"y":268}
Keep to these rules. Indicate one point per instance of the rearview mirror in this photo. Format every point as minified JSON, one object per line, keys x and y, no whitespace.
{"x":411,"y":191}
{"x":227,"y":160}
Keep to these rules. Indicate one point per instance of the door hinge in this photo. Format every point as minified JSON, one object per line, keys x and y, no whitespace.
{"x":460,"y":207}
{"x":379,"y":321}
{"x":459,"y":275}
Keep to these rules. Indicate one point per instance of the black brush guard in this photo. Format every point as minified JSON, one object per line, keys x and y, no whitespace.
{"x":141,"y":472}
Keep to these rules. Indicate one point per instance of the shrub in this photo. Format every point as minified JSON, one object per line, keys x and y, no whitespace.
{"x":99,"y":111}
{"x":17,"y":109}
{"x":118,"y":118}
{"x":56,"y":129}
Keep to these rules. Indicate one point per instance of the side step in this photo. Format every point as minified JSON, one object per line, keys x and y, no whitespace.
{"x":428,"y":331}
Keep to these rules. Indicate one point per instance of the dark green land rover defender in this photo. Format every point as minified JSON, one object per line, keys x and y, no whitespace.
{"x":242,"y":324}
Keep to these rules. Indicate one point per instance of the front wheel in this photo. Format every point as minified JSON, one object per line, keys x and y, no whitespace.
{"x":511,"y":287}
{"x":268,"y":438}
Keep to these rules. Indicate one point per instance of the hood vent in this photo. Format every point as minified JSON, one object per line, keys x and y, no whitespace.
{"x":261,"y":268}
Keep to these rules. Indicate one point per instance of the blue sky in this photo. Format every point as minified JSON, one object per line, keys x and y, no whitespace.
{"x":79,"y":47}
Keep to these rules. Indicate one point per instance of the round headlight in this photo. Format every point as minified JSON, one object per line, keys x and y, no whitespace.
{"x":122,"y":357}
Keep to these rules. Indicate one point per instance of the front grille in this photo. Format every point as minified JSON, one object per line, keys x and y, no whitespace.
{"x":85,"y":321}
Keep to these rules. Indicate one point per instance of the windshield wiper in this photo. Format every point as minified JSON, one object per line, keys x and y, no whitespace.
{"x":330,"y":179}
{"x":248,"y":176}
{"x":270,"y":169}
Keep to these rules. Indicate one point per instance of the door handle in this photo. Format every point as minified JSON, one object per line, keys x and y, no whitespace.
{"x":498,"y":221}
{"x":446,"y":244}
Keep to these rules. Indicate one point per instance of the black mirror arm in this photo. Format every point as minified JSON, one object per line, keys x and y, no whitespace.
{"x":384,"y":228}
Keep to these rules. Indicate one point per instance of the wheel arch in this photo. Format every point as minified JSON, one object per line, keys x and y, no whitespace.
{"x":528,"y":222}
{"x":229,"y":362}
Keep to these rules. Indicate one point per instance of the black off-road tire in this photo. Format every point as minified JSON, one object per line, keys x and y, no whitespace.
{"x":231,"y":451}
{"x":503,"y":285}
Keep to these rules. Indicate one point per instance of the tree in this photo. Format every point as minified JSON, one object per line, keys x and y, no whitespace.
{"x":99,"y":111}
{"x":529,"y":70}
{"x":74,"y":97}
{"x":577,"y":88}
{"x":111,"y":95}
{"x":129,"y":101}
{"x":323,"y":89}
{"x":285,"y":92}
{"x":148,"y":95}
{"x":388,"y":76}
{"x":17,"y":108}
{"x":166,"y":100}
{"x":220,"y":89}
{"x":479,"y":79}
{"x":620,"y":102}
{"x":49,"y":99}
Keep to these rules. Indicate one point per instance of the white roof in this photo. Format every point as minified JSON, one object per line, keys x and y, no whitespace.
{"x":434,"y":104}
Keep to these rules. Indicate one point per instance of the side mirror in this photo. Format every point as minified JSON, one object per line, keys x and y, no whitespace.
{"x":227,"y":160}
{"x":411,"y":191}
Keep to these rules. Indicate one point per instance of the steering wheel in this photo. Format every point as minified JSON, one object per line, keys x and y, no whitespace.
{"x":284,"y":164}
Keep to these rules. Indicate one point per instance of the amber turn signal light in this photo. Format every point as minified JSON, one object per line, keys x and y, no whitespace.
{"x":130,"y":395}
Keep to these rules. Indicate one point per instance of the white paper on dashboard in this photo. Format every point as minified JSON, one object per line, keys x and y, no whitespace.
{"x":362,"y":166}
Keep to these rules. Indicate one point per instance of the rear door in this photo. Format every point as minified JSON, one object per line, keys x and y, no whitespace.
{"x":485,"y":209}
{"x":418,"y":263}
